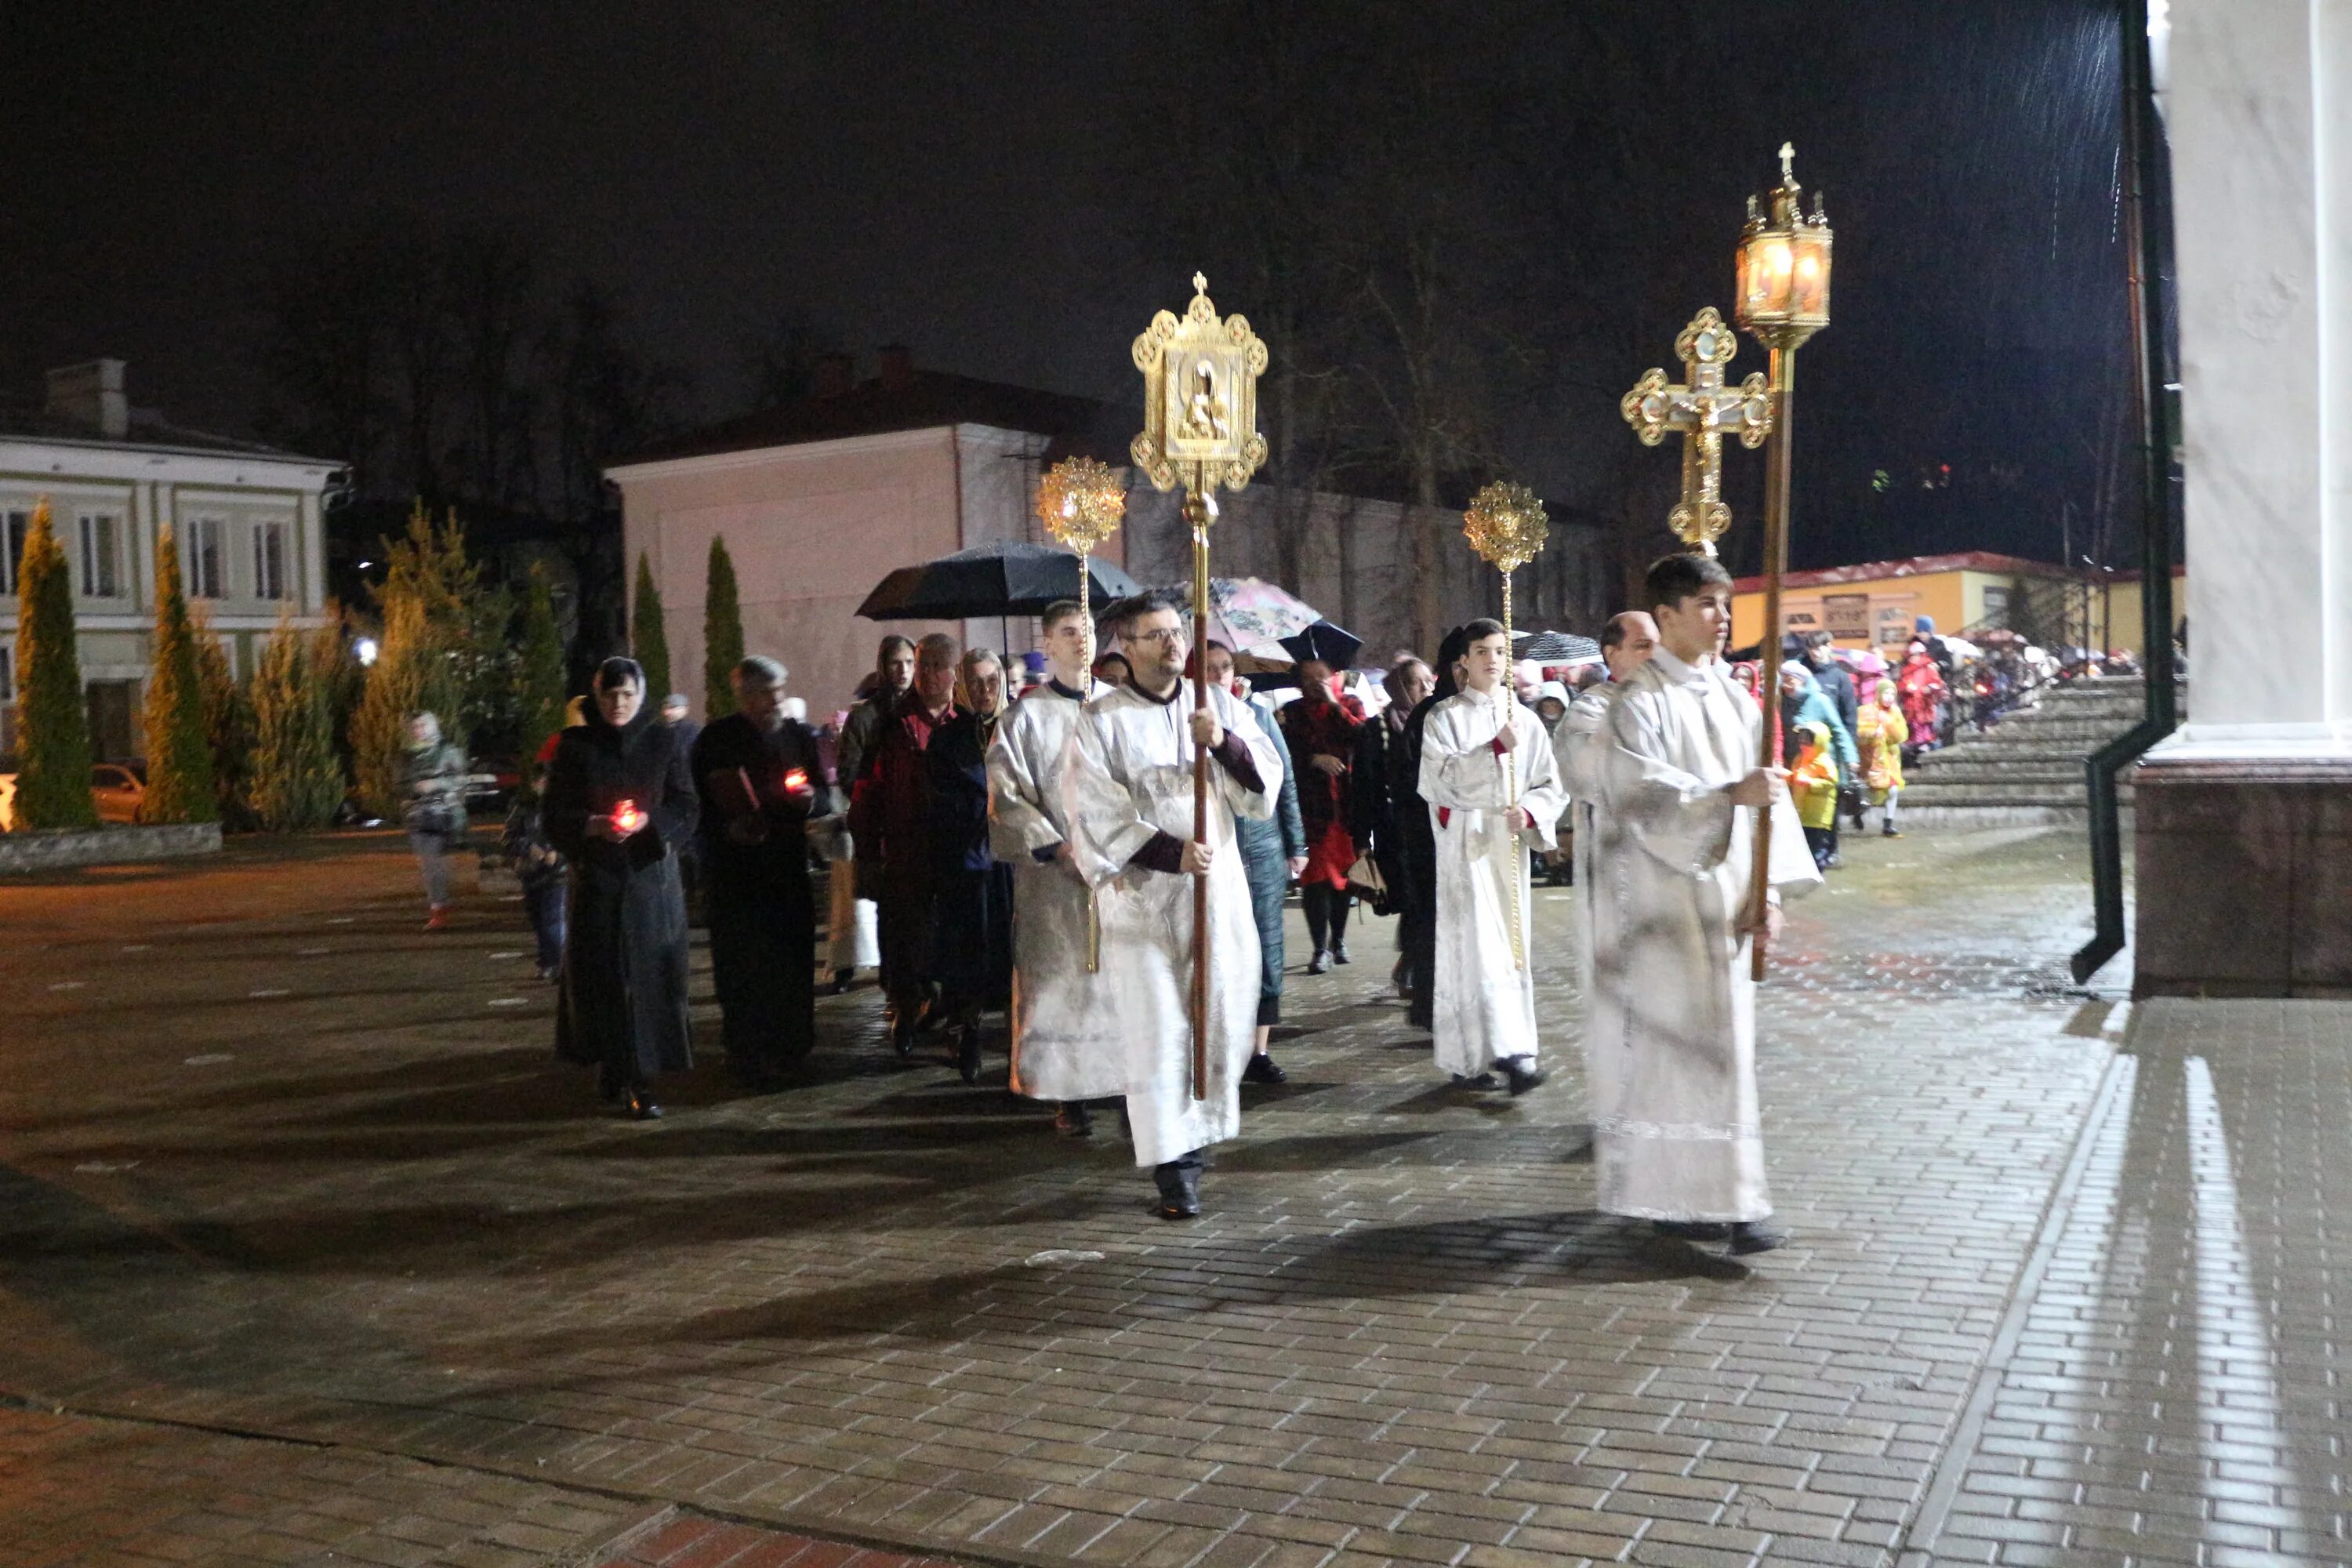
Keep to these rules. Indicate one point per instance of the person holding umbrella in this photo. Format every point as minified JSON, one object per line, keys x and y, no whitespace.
{"x":1320,"y":730}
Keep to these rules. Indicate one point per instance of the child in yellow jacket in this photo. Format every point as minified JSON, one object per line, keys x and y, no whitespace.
{"x":1814,"y":785}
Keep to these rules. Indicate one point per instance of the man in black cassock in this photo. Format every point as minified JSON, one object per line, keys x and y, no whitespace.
{"x":971,"y":910}
{"x":761,"y":781}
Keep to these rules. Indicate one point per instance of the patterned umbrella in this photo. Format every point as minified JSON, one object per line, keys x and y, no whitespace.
{"x":1557,"y":648}
{"x":1250,"y":615}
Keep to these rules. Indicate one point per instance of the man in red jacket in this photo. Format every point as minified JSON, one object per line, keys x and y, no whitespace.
{"x":889,"y":817}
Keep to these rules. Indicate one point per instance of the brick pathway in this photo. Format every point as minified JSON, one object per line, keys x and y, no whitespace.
{"x":294,"y":1168}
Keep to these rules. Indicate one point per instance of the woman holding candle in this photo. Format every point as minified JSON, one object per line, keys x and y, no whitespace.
{"x":620,"y":800}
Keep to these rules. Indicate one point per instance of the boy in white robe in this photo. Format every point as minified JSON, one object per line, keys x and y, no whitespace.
{"x":1671,"y":1036}
{"x":1485,"y":996}
{"x":1133,"y":839}
{"x":1627,"y":644}
{"x":1066,"y":1034}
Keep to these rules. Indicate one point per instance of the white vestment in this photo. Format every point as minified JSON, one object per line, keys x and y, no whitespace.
{"x":1672,"y":1013}
{"x":1134,"y":782}
{"x":1065,"y":1031}
{"x":1577,"y":740}
{"x":1483,"y":1009}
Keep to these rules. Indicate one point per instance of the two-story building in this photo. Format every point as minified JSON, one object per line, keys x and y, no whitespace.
{"x":248,"y":519}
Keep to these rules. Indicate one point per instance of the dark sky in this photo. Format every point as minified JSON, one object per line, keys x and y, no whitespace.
{"x":957,"y":176}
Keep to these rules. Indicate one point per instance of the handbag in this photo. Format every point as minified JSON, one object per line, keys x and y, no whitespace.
{"x":1365,"y":882}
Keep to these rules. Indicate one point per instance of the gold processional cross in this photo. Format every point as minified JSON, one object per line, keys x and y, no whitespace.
{"x":1702,"y":411}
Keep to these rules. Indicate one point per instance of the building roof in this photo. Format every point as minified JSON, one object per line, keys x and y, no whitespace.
{"x":1912,"y":566}
{"x":148,"y":430}
{"x":918,"y":400}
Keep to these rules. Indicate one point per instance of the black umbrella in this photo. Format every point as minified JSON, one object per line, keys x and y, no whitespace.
{"x":1333,"y":645}
{"x":1005,"y":579}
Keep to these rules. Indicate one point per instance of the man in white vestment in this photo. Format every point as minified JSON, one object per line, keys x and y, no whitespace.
{"x":1066,"y":1047}
{"x":1133,"y":838}
{"x":1627,"y":644}
{"x":1484,"y":819}
{"x":1672,"y":1012}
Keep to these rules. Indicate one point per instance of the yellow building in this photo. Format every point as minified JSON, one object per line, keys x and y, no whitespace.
{"x":1877,"y":604}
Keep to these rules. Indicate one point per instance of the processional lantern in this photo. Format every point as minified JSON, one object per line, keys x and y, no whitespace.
{"x":1082,"y":502}
{"x":1702,"y":409}
{"x":1506,"y":526}
{"x":1199,"y":430}
{"x":1784,"y":299}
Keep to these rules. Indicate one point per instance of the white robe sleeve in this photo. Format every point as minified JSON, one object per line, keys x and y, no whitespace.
{"x":1460,"y":769}
{"x":1018,"y":826}
{"x":1674,"y":815}
{"x":1542,"y":795}
{"x":1107,"y":824}
{"x":1255,"y":805}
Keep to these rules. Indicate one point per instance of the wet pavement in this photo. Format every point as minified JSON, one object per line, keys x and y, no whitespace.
{"x":287,"y":1174}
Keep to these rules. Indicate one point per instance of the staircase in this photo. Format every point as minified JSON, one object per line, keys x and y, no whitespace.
{"x":2027,"y":770}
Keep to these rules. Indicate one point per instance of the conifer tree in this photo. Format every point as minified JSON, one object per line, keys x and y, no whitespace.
{"x":722,"y":636}
{"x":52,"y":714}
{"x":648,"y":639}
{"x":538,"y":672}
{"x":423,"y":654}
{"x":179,"y":754}
{"x":297,"y":780}
{"x":228,"y":726}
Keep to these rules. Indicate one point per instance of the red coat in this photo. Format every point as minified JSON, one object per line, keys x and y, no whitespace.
{"x":1327,"y":729}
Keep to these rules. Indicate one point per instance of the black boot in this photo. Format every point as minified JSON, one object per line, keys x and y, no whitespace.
{"x":1261,"y":1069}
{"x":1179,"y":1187}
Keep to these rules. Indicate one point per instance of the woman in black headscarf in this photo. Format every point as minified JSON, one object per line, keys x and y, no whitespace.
{"x":1417,"y":922}
{"x":620,"y":801}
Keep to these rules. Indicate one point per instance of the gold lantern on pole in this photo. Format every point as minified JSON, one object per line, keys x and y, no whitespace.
{"x":1783,"y":263}
{"x":1199,"y":430}
{"x":1082,"y":502}
{"x":1506,"y":526}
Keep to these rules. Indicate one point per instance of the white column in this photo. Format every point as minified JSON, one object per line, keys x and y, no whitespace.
{"x":2259,"y":110}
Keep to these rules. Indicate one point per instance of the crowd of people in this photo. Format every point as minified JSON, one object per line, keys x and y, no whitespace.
{"x":1026,"y":843}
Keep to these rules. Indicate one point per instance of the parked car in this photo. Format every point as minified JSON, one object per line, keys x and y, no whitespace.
{"x":119,"y":789}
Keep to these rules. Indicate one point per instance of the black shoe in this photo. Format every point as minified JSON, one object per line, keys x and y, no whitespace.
{"x":1473,"y":1080}
{"x":1692,"y":1229}
{"x":1261,"y":1069}
{"x":967,"y":1052}
{"x":1179,"y":1190}
{"x":1890,"y":833}
{"x":1523,"y":1077}
{"x":1320,"y":963}
{"x":1338,"y":951}
{"x":642,"y":1107}
{"x":1073,"y":1120}
{"x":1755,"y":1235}
{"x":841,"y":979}
{"x":902,"y":1030}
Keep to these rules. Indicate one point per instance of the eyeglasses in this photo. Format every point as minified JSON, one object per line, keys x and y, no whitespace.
{"x":1169,"y":637}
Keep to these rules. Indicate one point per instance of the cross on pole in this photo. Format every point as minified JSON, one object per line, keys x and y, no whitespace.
{"x":1702,"y":410}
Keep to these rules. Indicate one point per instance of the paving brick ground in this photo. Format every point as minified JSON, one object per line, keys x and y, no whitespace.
{"x":278,"y":1162}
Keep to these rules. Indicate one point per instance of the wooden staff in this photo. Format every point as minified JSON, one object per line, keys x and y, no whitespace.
{"x":1776,"y":565}
{"x":1197,"y":512}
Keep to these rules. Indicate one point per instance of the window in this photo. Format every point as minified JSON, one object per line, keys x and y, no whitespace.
{"x":101,"y":555}
{"x":203,"y":559}
{"x":269,"y":561}
{"x":14,"y":527}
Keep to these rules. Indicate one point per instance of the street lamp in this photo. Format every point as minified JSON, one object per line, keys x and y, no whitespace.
{"x":1784,"y":299}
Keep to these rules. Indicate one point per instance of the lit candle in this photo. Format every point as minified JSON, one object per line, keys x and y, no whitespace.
{"x":796,"y":782}
{"x":626,"y":818}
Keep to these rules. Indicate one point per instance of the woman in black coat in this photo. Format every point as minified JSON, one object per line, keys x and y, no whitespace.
{"x":620,"y":801}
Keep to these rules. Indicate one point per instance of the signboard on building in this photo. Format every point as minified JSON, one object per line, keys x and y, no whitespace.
{"x":1847,"y":617}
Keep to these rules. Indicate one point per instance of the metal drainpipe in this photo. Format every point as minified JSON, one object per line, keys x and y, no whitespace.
{"x":2147,"y":214}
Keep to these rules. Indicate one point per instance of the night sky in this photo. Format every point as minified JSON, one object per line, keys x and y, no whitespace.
{"x":966,"y":179}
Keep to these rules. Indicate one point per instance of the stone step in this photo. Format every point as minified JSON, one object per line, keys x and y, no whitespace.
{"x":1960,"y":772}
{"x":2027,"y":794}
